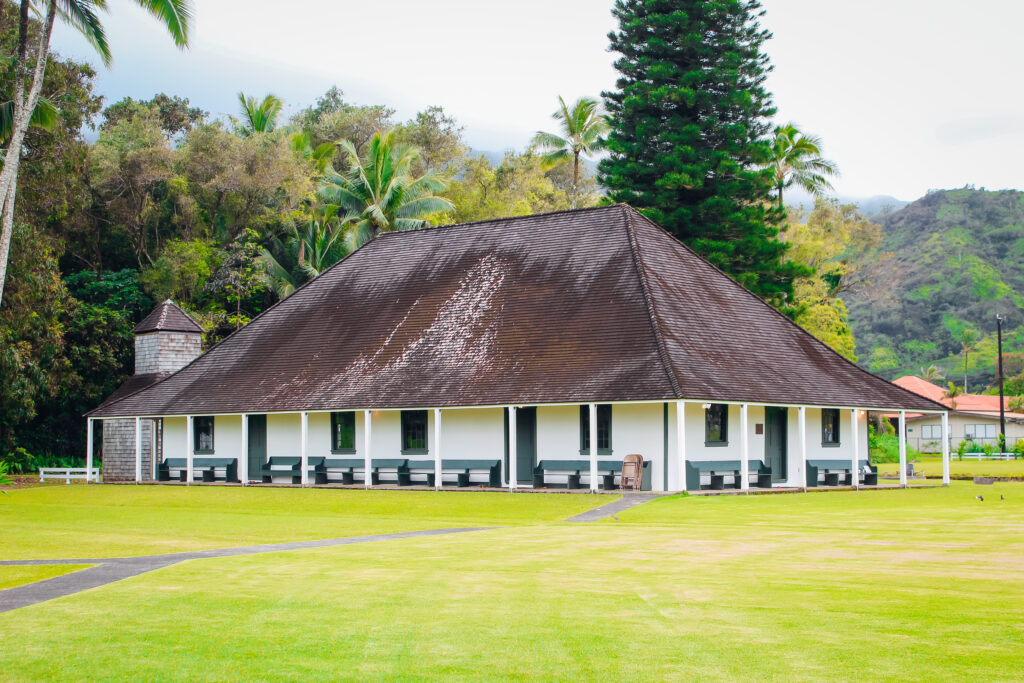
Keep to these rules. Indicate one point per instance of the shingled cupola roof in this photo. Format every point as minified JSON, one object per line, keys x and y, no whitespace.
{"x":167,"y":317}
{"x":594,"y":305}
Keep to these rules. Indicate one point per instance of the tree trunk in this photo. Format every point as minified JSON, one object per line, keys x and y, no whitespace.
{"x":575,"y":176}
{"x":22,"y":114}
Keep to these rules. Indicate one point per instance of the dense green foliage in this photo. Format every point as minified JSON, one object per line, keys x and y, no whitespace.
{"x":957,"y":260}
{"x":690,"y":133}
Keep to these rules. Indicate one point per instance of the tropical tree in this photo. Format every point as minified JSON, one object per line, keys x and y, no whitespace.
{"x":952,"y":392}
{"x":43,"y":116}
{"x":304,"y":254}
{"x":968,"y":340}
{"x":583,"y":127}
{"x":81,"y":15}
{"x":796,"y":160}
{"x":379,"y":193}
{"x":933,"y":373}
{"x":257,"y":116}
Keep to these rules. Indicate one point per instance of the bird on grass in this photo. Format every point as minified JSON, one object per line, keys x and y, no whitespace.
{"x":981,"y":498}
{"x":1001,"y":497}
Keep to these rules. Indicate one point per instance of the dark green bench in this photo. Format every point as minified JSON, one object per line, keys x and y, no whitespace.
{"x":831,"y":470}
{"x":718,"y":470}
{"x":287,"y":466}
{"x":206,"y":467}
{"x":348,"y":466}
{"x":574,"y":469}
{"x":461,"y":469}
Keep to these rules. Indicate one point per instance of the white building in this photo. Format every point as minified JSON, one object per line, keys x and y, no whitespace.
{"x":536,"y":337}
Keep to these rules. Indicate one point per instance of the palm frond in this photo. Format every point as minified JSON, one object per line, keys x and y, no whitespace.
{"x":176,"y":15}
{"x":81,"y":16}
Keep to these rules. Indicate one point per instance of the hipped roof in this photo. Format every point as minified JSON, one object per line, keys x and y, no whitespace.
{"x":594,"y":305}
{"x":167,"y":317}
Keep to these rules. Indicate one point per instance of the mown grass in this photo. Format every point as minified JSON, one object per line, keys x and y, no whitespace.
{"x":66,"y":522}
{"x":918,"y":584}
{"x":18,"y":575}
{"x":966,"y":467}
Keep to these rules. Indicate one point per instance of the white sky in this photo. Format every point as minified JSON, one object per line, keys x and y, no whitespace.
{"x":907,"y":94}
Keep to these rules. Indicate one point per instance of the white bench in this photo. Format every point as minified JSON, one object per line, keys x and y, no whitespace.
{"x":69,"y":473}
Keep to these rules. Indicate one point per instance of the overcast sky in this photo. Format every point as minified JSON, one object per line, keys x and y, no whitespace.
{"x":907,"y":95}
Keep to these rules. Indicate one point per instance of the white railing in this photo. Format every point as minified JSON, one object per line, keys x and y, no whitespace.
{"x":69,"y":473}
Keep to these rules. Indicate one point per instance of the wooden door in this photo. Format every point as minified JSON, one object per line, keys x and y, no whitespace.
{"x":775,"y":446}
{"x":257,"y":445}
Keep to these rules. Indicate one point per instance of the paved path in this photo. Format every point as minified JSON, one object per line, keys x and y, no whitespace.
{"x":110,"y":569}
{"x":628,"y":500}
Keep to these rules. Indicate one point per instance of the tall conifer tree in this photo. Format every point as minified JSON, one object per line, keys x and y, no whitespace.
{"x":691,"y":133}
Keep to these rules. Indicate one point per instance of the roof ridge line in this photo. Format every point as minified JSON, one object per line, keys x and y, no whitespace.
{"x":779,"y":313}
{"x":499,"y":219}
{"x":634,"y":248}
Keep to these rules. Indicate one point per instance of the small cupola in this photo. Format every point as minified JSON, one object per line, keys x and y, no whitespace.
{"x":166,"y":340}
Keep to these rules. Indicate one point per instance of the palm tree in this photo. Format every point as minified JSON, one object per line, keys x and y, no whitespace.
{"x":951,"y":393}
{"x":320,"y":158}
{"x":44,"y":116}
{"x":583,"y":127}
{"x":968,"y":341}
{"x":933,"y":373}
{"x":796,"y":159}
{"x":379,"y":193}
{"x":80,"y":15}
{"x":303,"y":255}
{"x":257,"y":116}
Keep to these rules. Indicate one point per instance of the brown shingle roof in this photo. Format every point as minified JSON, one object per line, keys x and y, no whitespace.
{"x":590,"y":305}
{"x":167,"y":317}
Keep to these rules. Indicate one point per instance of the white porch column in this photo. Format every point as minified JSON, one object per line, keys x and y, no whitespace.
{"x":188,"y":450}
{"x":243,"y":457}
{"x":855,"y":456}
{"x":681,"y":443}
{"x":744,"y":450}
{"x":155,"y":474}
{"x":437,"y":449}
{"x":88,"y":449}
{"x":303,"y":450}
{"x":510,"y":471}
{"x":138,"y":450}
{"x":367,"y":429}
{"x":802,"y":428}
{"x":945,"y":449}
{"x":903,"y":448}
{"x":593,"y":447}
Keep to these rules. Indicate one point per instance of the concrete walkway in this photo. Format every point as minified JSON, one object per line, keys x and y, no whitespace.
{"x":111,"y":569}
{"x":628,"y":500}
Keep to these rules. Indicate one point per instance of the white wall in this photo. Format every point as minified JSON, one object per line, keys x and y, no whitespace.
{"x":174,"y":438}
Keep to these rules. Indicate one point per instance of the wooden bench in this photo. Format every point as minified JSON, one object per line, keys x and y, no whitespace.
{"x":607,"y":470}
{"x":461,"y":468}
{"x":69,"y":473}
{"x":282,"y":466}
{"x":718,"y":470}
{"x":206,"y":468}
{"x":348,"y":467}
{"x":832,"y":469}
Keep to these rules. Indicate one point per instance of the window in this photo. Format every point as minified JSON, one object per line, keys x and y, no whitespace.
{"x":829,"y":426}
{"x":980,"y":431}
{"x":931,"y":431}
{"x":202,"y":434}
{"x":343,"y":432}
{"x":604,"y":429}
{"x":716,"y":425}
{"x":414,"y":432}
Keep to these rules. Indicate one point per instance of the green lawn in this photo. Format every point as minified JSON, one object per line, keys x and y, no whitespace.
{"x":921,"y":584}
{"x":932,"y":466}
{"x":58,"y":522}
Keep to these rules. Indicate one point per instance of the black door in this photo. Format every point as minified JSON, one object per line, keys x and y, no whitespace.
{"x":257,"y":445}
{"x":775,"y":428}
{"x":526,"y":443}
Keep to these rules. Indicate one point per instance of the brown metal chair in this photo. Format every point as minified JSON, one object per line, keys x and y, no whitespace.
{"x":632,"y":472}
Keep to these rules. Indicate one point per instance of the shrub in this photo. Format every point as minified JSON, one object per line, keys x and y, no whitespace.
{"x":886,"y":448}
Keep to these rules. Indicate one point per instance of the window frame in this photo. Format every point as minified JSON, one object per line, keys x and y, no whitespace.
{"x":932,"y":429}
{"x":335,"y":448}
{"x":196,"y":450}
{"x":835,"y":441}
{"x":407,"y":423}
{"x":724,"y":441}
{"x":604,"y":414}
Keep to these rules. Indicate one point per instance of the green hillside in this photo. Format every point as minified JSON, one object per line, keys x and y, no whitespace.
{"x":957,"y":259}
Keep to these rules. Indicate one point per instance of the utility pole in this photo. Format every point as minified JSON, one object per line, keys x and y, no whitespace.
{"x":1002,"y":406}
